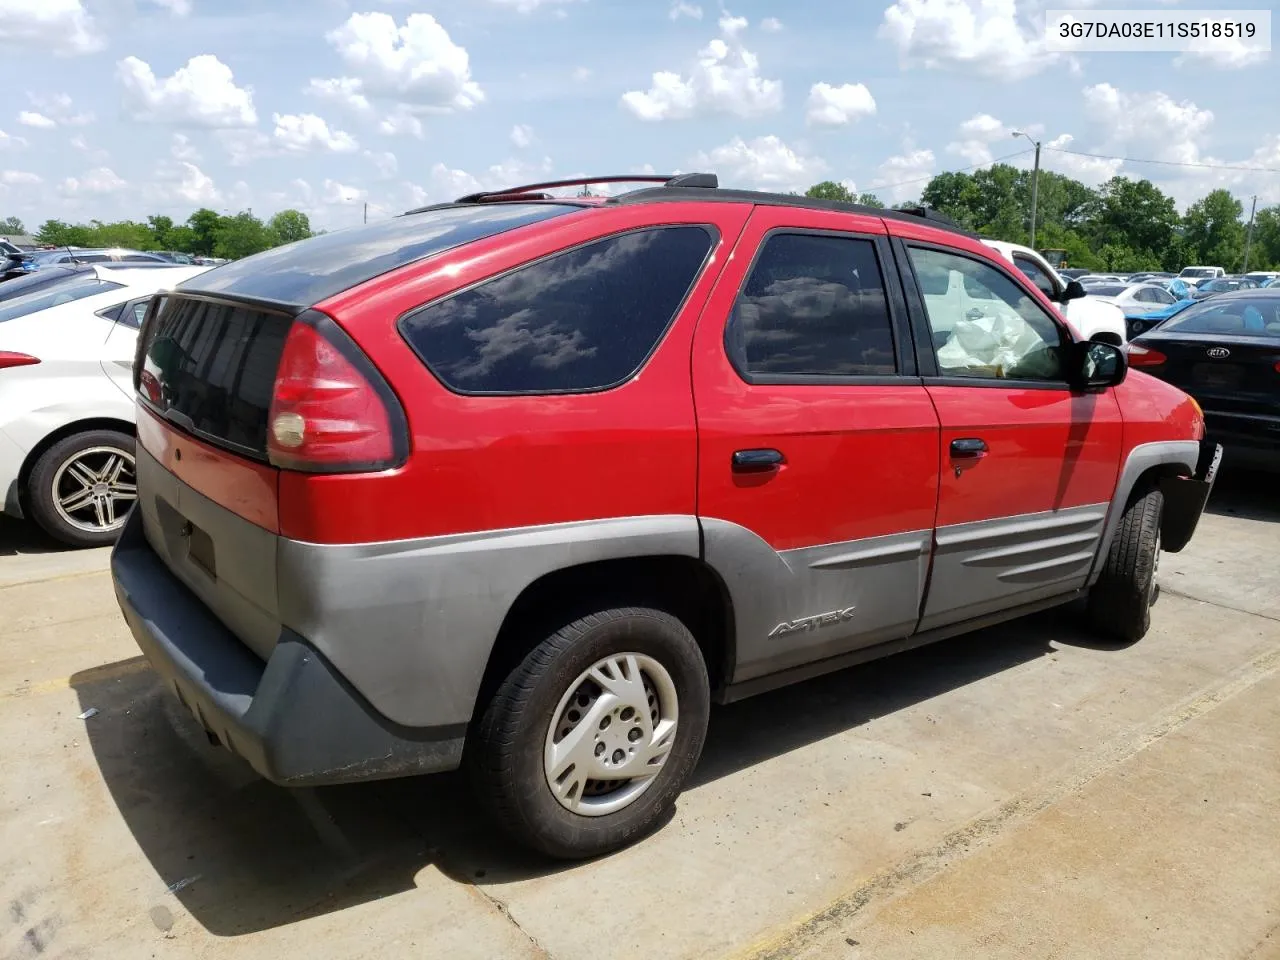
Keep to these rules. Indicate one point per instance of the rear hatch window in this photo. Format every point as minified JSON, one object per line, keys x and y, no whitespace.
{"x":209,"y":367}
{"x":304,"y":273}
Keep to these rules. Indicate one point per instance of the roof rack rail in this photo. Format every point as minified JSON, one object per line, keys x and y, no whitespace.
{"x":528,"y":191}
{"x":929,"y":213}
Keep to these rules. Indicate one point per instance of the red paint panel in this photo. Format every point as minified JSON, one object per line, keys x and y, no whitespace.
{"x":482,"y":463}
{"x":1046,"y":449}
{"x":861,"y":460}
{"x":245,"y":487}
{"x":1154,"y":410}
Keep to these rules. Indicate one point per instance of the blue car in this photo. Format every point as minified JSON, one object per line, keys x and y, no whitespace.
{"x":1139,"y":319}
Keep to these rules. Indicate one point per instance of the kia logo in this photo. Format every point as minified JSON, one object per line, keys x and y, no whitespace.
{"x":1218,"y":353}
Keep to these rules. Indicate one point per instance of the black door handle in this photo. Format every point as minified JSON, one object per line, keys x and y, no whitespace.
{"x":756,"y":461}
{"x":968,"y":448}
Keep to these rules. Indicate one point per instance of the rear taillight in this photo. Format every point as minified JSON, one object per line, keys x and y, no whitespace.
{"x":331,"y":412}
{"x":1144,"y":356}
{"x":8,"y":359}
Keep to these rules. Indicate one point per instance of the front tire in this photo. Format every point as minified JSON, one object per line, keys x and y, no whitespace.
{"x":81,"y":489}
{"x":589,"y":740}
{"x":1120,"y":602}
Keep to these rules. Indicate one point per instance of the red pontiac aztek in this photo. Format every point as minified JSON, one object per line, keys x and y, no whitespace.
{"x":525,"y":483}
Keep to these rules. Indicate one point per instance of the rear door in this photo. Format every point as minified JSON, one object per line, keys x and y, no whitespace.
{"x":1028,"y":466}
{"x":817,"y":443}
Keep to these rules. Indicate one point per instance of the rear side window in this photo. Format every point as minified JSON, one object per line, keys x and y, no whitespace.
{"x":211,"y":368}
{"x":581,"y":320}
{"x":55,"y":296}
{"x":813,"y":305}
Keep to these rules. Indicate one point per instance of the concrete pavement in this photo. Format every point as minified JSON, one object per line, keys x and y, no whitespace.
{"x":1022,"y":792}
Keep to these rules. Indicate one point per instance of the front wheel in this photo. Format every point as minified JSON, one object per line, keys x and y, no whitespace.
{"x":82,"y":488}
{"x":1120,"y":602}
{"x":588,"y":742}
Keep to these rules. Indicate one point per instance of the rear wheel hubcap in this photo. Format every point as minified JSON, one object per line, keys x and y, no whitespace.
{"x":611,"y":734}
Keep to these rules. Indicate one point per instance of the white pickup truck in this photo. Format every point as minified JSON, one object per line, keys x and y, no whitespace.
{"x":1198,"y":275}
{"x":1091,"y":318}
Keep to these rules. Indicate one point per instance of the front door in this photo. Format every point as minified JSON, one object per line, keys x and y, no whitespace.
{"x":817,"y":445}
{"x":1028,"y":465}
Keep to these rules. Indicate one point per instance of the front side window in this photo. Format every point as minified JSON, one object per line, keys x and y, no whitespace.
{"x":813,"y":305}
{"x":984,"y":325}
{"x":581,"y":320}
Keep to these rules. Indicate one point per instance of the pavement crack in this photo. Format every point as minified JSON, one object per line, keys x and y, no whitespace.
{"x":501,"y":906}
{"x":1214,"y":603}
{"x":986,"y":828}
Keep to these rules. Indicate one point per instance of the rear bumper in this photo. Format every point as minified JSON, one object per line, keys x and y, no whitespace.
{"x":293,"y":718}
{"x":1185,"y":498}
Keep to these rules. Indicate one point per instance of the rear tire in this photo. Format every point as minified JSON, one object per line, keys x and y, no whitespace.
{"x":82,"y":488}
{"x":1120,"y":602}
{"x":551,"y":723}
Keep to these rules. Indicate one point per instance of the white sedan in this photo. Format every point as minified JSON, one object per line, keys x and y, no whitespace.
{"x":66,"y":399}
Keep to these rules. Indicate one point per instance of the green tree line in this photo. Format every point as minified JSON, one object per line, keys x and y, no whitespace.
{"x":206,"y":233}
{"x":1124,"y":224}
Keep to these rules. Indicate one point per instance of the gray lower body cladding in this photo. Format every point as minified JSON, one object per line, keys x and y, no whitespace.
{"x":325,"y":663}
{"x":294,"y":718}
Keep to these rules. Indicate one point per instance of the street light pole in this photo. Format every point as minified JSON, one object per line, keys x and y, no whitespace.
{"x":1035,"y":184}
{"x":1248,"y":240}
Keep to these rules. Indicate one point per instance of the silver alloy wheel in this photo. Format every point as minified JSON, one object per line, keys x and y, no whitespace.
{"x":1152,"y":587}
{"x":94,"y":489}
{"x":610,"y":734}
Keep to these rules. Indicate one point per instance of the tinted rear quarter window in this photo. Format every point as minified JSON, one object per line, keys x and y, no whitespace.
{"x":213,"y":365}
{"x":581,"y":320}
{"x":813,"y":305}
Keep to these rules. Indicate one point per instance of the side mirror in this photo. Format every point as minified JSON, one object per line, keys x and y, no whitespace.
{"x":1096,"y":366}
{"x":1074,"y":291}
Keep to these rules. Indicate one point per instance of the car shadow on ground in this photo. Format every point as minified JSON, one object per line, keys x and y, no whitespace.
{"x":1247,"y":494}
{"x":18,"y":537}
{"x":243,"y":855}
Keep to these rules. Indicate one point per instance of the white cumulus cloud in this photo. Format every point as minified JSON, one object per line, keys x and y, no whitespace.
{"x":1148,"y":125}
{"x":99,"y":180}
{"x":384,"y":162}
{"x":344,"y":91}
{"x":179,"y":8}
{"x":20,"y":178}
{"x":986,"y":37}
{"x":522,"y":135}
{"x":202,"y":93}
{"x":765,"y":162}
{"x":981,"y":132}
{"x":401,"y":122}
{"x":416,"y":64}
{"x":38,"y":120}
{"x":770,"y":24}
{"x":725,"y":79}
{"x":681,"y":9}
{"x":300,"y":133}
{"x":835,"y":106}
{"x":63,"y":28}
{"x":904,"y":174}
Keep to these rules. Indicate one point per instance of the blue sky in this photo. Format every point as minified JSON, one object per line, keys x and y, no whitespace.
{"x":121,"y":108}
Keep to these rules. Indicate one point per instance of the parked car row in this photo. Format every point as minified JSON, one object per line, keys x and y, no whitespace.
{"x":16,"y":263}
